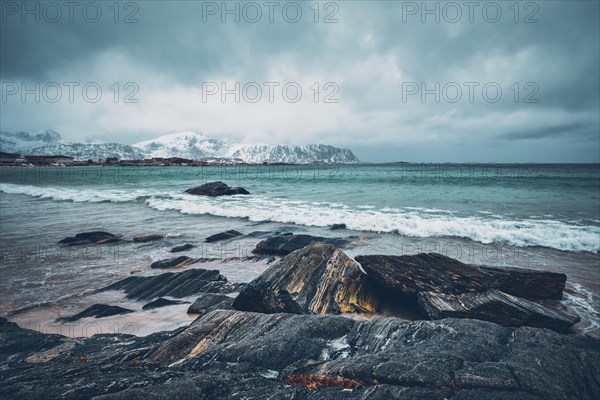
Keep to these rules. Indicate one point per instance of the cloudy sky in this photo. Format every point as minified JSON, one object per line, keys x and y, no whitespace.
{"x":480,"y":81}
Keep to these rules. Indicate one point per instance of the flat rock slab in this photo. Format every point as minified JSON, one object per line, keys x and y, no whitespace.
{"x":497,"y":307}
{"x":181,"y":248}
{"x":178,"y":285}
{"x":96,"y":311}
{"x":210,"y":301}
{"x":282,"y":245}
{"x":161,"y":302}
{"x":214,"y":189}
{"x":316,"y":279}
{"x":431,"y":272}
{"x":176,"y":262}
{"x":223,"y":236}
{"x":147,"y":238}
{"x":86,"y":238}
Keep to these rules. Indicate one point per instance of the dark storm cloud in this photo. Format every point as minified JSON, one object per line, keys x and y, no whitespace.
{"x":371,"y":53}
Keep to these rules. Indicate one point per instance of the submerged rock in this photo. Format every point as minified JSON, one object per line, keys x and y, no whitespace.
{"x":214,"y":189}
{"x":181,"y":248}
{"x":432,"y":272}
{"x":223,"y":236}
{"x":161,"y":302}
{"x":178,"y":285}
{"x":210,"y":301}
{"x":281,"y":245}
{"x":336,"y":227}
{"x":86,"y":238}
{"x":176,"y":262}
{"x":97,"y":311}
{"x":317,"y":279}
{"x":497,"y":307}
{"x":147,"y":238}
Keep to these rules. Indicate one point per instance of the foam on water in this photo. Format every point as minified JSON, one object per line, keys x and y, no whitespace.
{"x":407,"y":221}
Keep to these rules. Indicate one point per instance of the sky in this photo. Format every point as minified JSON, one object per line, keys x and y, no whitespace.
{"x":391,"y":80}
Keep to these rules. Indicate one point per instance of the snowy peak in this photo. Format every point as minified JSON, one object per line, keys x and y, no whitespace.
{"x":192,"y":145}
{"x":20,"y":141}
{"x":197,"y":146}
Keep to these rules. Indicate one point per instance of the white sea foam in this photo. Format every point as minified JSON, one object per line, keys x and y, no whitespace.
{"x":75,"y":195}
{"x":413,"y":222}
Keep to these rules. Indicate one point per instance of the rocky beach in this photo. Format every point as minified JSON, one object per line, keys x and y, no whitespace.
{"x":313,"y":323}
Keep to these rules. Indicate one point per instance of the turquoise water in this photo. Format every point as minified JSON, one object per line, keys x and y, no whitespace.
{"x":554,"y":206}
{"x":544,"y":217}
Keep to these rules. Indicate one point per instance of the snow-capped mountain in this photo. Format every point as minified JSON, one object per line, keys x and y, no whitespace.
{"x":21,"y":141}
{"x":190,"y":145}
{"x":198,"y":146}
{"x":50,"y":143}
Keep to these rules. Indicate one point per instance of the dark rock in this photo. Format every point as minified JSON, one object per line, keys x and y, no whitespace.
{"x":317,"y":279}
{"x":497,"y":307}
{"x":208,"y":302}
{"x":176,"y":262}
{"x":232,"y":354}
{"x":437,"y":273}
{"x":223,"y":236}
{"x":183,"y":247}
{"x":216,"y":189}
{"x":160,"y":302}
{"x":86,"y":238}
{"x":284,"y":244}
{"x":97,"y":311}
{"x":336,"y":227}
{"x":147,"y":238}
{"x":178,"y":285}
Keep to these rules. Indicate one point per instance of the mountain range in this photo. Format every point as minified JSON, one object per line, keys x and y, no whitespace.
{"x":190,"y":145}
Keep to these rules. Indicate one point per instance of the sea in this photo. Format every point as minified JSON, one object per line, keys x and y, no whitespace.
{"x":537,"y":216}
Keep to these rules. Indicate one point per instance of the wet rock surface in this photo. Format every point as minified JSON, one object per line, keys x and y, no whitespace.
{"x":214,"y":189}
{"x":437,"y":273}
{"x":182,"y":284}
{"x":87,"y":238}
{"x":284,"y":244}
{"x":210,"y":301}
{"x":497,"y":307}
{"x":97,"y":311}
{"x":183,"y":247}
{"x":234,"y":354}
{"x":317,"y":279}
{"x":223,"y":236}
{"x":161,"y":302}
{"x":176,"y":262}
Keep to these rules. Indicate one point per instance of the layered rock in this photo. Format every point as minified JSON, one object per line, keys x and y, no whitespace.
{"x":210,"y":301}
{"x":161,"y":302}
{"x":214,"y":189}
{"x":317,"y":279}
{"x":223,"y":236}
{"x":96,"y":311}
{"x":87,"y":238}
{"x":495,"y":306}
{"x":284,"y":244}
{"x":183,"y":284}
{"x":183,"y":247}
{"x":431,"y":272}
{"x":176,"y":262}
